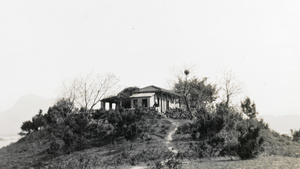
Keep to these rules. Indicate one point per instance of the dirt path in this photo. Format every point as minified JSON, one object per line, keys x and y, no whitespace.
{"x":169,"y":137}
{"x":168,"y":143}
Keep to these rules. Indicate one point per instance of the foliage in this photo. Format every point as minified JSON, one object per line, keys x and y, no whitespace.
{"x":27,"y":126}
{"x":249,"y":108}
{"x":208,"y":124}
{"x":223,"y":131}
{"x":296,"y":135}
{"x":249,"y":140}
{"x":195,"y":93}
{"x":38,"y":121}
{"x":173,"y":162}
{"x":177,"y":113}
{"x":217,"y":130}
{"x":57,"y":113}
{"x":205,"y":131}
{"x":79,"y":130}
{"x":125,"y":94}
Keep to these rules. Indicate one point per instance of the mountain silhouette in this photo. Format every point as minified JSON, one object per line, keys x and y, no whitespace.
{"x":283,"y":123}
{"x":24,"y":109}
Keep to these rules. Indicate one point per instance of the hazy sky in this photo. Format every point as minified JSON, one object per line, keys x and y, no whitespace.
{"x":43,"y":43}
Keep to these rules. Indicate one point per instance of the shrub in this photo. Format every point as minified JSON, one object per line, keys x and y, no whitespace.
{"x":27,"y":126}
{"x":296,"y":135}
{"x":173,"y":162}
{"x":249,"y":140}
{"x":205,"y":131}
{"x":54,"y":147}
{"x":178,"y":113}
{"x":209,"y":124}
{"x":185,"y":129}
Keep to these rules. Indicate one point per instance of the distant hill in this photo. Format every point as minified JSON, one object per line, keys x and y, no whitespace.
{"x":283,"y":123}
{"x":24,"y":109}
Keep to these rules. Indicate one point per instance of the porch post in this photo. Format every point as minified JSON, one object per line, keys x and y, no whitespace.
{"x":110,"y":105}
{"x":161,"y":98}
{"x":103,"y":105}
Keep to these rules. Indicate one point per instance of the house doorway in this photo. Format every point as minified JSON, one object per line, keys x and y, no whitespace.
{"x":145,"y":102}
{"x":168,"y":106}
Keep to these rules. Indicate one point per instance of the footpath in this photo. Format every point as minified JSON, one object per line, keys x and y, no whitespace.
{"x":168,"y":143}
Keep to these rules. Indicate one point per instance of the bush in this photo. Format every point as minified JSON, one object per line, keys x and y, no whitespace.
{"x":205,"y":131}
{"x":223,"y":131}
{"x":296,"y":135}
{"x":178,"y":113}
{"x":27,"y":126}
{"x":249,"y":141}
{"x":54,"y":147}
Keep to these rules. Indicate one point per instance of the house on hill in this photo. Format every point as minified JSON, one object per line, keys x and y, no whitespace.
{"x":150,"y":96}
{"x":157,"y":97}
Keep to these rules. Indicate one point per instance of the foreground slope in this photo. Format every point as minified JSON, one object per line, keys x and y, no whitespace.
{"x":111,"y":139}
{"x":33,"y":151}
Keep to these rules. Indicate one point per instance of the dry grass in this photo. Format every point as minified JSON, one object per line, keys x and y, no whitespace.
{"x":278,"y":145}
{"x":23,"y":153}
{"x":31,"y":152}
{"x":126,"y":154}
{"x":279,"y":152}
{"x":270,"y":162}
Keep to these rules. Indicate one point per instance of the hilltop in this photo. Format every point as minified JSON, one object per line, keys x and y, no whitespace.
{"x":144,"y":144}
{"x":150,"y":127}
{"x":143,"y":137}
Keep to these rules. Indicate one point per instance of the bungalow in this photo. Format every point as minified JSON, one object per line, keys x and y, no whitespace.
{"x":157,"y":97}
{"x":150,"y":96}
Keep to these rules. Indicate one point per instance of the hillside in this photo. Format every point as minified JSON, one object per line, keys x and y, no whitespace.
{"x":33,"y":151}
{"x":30,"y":152}
{"x":66,"y":137}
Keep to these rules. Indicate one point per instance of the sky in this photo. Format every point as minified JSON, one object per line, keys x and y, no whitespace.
{"x":46,"y":42}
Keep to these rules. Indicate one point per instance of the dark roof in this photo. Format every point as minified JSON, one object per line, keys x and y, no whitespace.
{"x":152,"y":88}
{"x":111,"y":99}
{"x":138,"y":95}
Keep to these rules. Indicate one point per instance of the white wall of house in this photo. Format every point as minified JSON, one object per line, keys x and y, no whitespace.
{"x":150,"y":101}
{"x":174,"y":103}
{"x":163,"y":100}
{"x":106,"y":105}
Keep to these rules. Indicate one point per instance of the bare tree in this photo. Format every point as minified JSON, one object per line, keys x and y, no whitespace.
{"x":230,"y":87}
{"x":87,"y":90}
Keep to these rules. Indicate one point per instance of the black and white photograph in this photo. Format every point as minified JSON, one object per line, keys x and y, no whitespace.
{"x":149,"y":84}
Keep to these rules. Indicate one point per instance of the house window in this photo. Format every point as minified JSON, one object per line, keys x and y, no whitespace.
{"x":135,"y":104}
{"x":144,"y":102}
{"x":168,"y":105}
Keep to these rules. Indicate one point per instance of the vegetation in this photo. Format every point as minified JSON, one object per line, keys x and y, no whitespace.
{"x":195,"y":93}
{"x":124,"y":95}
{"x":296,"y":135}
{"x":68,"y":136}
{"x":249,"y":108}
{"x":122,"y":134}
{"x":223,"y":132}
